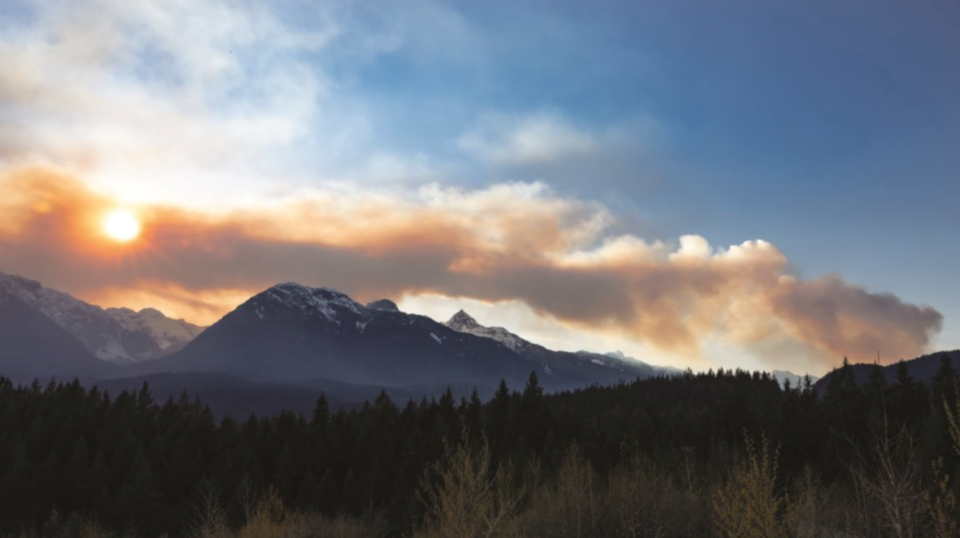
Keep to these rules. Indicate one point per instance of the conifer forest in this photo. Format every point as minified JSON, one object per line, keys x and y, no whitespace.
{"x":723,"y":453}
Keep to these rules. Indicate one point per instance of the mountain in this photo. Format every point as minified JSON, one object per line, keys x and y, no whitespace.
{"x":294,"y":334}
{"x":383,"y":304}
{"x":605,"y":368}
{"x":796,"y":380}
{"x":921,"y":369}
{"x":169,"y":334}
{"x":33,"y":346}
{"x":281,"y":348}
{"x":464,"y":323}
{"x":619,"y":356}
{"x":117,"y":335}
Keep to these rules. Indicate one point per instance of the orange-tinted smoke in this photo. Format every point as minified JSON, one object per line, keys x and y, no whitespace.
{"x":505,"y":242}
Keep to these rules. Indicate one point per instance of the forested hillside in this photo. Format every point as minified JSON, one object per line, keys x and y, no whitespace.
{"x":716,"y":454}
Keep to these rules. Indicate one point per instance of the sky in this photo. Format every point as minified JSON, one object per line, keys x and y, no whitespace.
{"x":741,"y":184}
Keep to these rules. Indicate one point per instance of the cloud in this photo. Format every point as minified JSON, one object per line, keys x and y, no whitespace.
{"x":507,"y":242}
{"x":546,"y":143}
{"x":194,"y":103}
{"x":145,"y":81}
{"x":539,"y":138}
{"x":832,"y":314}
{"x":152,"y":98}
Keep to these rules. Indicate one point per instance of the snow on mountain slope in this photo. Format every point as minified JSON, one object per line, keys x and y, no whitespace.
{"x":620,"y":358}
{"x":291,"y":332}
{"x":795,"y":380}
{"x":33,"y":346}
{"x":169,"y":334}
{"x":115,"y":335}
{"x":463,"y":322}
{"x":310,"y":302}
{"x":614,"y":361}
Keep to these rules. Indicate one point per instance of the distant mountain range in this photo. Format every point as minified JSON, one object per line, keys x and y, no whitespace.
{"x":281,"y":348}
{"x":117,"y":335}
{"x":294,"y":334}
{"x":34,"y":345}
{"x":795,"y":380}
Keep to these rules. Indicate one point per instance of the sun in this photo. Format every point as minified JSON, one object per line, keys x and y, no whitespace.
{"x":121,"y":225}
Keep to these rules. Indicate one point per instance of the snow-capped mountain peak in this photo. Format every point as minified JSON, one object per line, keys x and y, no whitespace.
{"x":291,"y":331}
{"x":306,"y":302}
{"x":464,"y":323}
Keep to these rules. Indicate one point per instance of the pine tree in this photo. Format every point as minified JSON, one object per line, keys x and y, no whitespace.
{"x":321,"y":416}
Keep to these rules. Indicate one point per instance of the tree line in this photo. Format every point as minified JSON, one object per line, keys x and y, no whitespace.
{"x":724,"y":453}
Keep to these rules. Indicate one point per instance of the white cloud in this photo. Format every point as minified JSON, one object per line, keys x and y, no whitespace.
{"x":168,"y":81}
{"x":692,"y":247}
{"x":542,"y":137}
{"x":152,"y":98}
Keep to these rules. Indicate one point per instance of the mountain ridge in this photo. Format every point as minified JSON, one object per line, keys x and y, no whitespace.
{"x":922,"y":368}
{"x":34,"y":346}
{"x":118,"y":335}
{"x":291,"y":331}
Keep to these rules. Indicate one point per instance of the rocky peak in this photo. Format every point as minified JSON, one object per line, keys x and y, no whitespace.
{"x":461,"y":321}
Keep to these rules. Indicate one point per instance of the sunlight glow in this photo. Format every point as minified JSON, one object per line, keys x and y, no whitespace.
{"x":121,"y":225}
